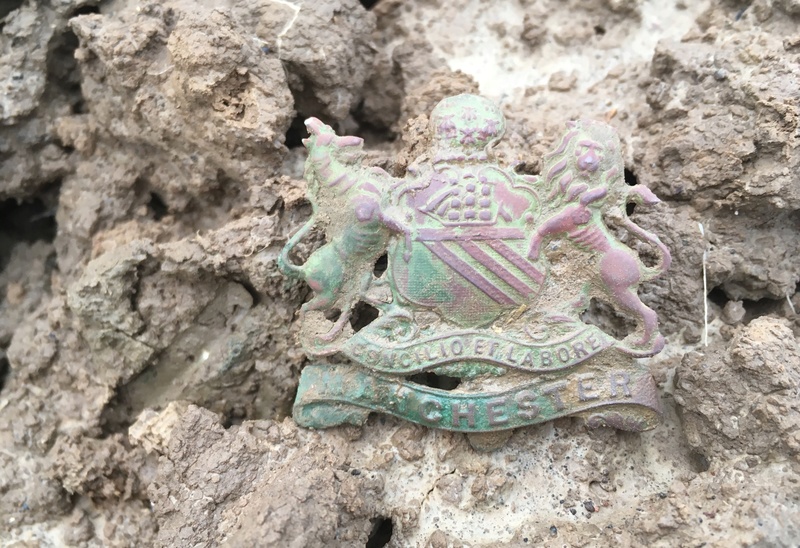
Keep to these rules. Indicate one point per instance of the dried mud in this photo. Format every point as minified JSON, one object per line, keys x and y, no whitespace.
{"x":150,"y":172}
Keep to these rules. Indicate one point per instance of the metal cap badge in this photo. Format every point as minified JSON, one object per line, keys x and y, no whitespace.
{"x":488,"y":273}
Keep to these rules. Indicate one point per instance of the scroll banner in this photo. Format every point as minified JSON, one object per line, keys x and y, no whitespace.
{"x":624,"y":398}
{"x":477,"y":346}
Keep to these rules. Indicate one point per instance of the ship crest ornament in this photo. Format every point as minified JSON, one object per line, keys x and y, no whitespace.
{"x":486,"y":275}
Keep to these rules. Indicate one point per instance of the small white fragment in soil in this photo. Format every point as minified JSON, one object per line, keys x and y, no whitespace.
{"x":705,"y":288}
{"x":289,"y":25}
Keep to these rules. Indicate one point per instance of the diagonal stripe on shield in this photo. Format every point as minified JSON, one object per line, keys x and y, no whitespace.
{"x":492,"y":266}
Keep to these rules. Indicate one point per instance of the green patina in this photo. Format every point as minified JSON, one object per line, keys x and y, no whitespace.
{"x":331,"y":395}
{"x":469,"y":289}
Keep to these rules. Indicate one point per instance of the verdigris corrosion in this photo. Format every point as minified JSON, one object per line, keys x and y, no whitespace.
{"x":487,"y":275}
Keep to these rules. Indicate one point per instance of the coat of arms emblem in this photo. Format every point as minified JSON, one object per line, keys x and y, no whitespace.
{"x":477,"y":275}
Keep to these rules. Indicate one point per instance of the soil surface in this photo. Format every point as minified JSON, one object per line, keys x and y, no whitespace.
{"x":151,"y":171}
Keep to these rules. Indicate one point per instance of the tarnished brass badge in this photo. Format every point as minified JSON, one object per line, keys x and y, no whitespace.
{"x":487,"y":273}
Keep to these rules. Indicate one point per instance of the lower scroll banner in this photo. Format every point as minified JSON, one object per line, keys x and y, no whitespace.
{"x":623,"y":398}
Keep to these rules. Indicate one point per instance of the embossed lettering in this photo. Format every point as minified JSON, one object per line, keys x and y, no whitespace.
{"x":401,"y":399}
{"x":459,"y":413}
{"x":579,"y":350}
{"x":496,"y":412}
{"x":553,"y":392}
{"x":525,"y":406}
{"x":430,"y":410}
{"x":472,"y":287}
{"x":528,"y":359}
{"x":428,"y":354}
{"x":620,"y":379}
{"x":510,"y":355}
{"x":585,"y":387}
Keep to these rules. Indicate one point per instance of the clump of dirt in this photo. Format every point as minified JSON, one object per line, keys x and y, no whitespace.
{"x":743,"y":399}
{"x":151,"y":172}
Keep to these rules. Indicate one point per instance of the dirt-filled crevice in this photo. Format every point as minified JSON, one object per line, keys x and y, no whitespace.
{"x":4,"y":369}
{"x":369,"y":4}
{"x":28,"y":220}
{"x":435,"y":380}
{"x":297,"y":132}
{"x":745,"y":311}
{"x":157,"y":207}
{"x":699,"y":462}
{"x":374,"y":135}
{"x":63,"y":72}
{"x":7,"y":6}
{"x":630,"y":177}
{"x":362,"y":315}
{"x":381,"y":533}
{"x":604,"y":316}
{"x":765,"y":307}
{"x":718,"y":296}
{"x":117,"y":415}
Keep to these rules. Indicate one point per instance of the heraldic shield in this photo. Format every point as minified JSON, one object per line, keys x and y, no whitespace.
{"x":477,"y":275}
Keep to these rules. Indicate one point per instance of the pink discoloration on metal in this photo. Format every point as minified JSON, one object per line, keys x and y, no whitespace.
{"x":509,"y":254}
{"x":497,"y":268}
{"x":349,"y":141}
{"x":556,"y":169}
{"x":338,"y":179}
{"x":576,"y":190}
{"x":580,"y":219}
{"x":589,"y":160}
{"x":468,"y":135}
{"x":469,"y":273}
{"x":484,"y":275}
{"x":564,"y":143}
